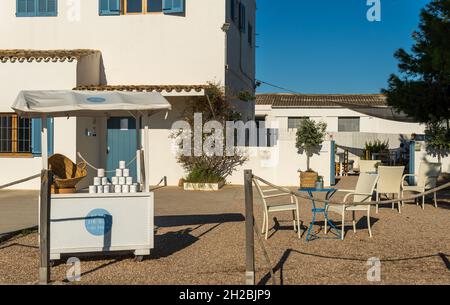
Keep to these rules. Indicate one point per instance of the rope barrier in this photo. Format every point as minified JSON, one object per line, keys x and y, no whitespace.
{"x":299,"y":195}
{"x":20,"y":181}
{"x":96,"y":169}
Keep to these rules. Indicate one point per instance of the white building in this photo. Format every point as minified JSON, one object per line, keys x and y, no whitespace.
{"x":352,"y":120}
{"x":357,"y":113}
{"x":175,"y":47}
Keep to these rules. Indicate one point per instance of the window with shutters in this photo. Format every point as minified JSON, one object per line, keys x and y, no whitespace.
{"x":294,"y":122}
{"x":36,"y":8}
{"x":153,"y":6}
{"x":348,"y":124}
{"x":15,"y":135}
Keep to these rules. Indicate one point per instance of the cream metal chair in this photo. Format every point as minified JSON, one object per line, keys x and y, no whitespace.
{"x":390,"y":182}
{"x":275,"y":193}
{"x":426,"y":180}
{"x":362,"y":193}
{"x":368,"y":166}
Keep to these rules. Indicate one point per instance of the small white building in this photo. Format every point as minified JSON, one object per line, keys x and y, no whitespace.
{"x":343,"y":113}
{"x":175,"y":47}
{"x":352,"y":120}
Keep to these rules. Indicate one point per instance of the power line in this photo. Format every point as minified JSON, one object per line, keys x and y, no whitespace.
{"x":276,"y":86}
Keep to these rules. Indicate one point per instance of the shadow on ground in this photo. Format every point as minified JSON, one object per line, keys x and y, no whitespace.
{"x":280,"y":265}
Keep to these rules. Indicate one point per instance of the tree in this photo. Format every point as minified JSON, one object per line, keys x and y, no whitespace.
{"x":438,"y":144}
{"x":422,"y":89}
{"x":310,"y":136}
{"x":214,"y":106}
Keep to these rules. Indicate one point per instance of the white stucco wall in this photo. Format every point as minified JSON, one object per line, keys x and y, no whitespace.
{"x":280,"y":164}
{"x":330,"y":116}
{"x":423,"y":156}
{"x":136,"y":49}
{"x":35,"y":76}
{"x":154,"y":49}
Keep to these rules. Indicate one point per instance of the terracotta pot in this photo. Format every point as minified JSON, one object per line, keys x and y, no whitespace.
{"x":308,"y":179}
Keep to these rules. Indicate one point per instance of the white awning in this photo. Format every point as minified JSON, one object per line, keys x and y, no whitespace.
{"x":64,"y":103}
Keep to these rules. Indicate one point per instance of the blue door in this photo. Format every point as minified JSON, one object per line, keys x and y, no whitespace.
{"x":121,"y":144}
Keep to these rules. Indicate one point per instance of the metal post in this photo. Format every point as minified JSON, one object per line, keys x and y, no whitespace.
{"x":44,"y":227}
{"x":412,"y":161}
{"x":249,"y":235}
{"x":332,"y":163}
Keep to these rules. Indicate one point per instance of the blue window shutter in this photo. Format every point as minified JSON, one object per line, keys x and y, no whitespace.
{"x":36,"y":144}
{"x":47,"y":7}
{"x":36,"y":136}
{"x":25,"y":8}
{"x":109,"y":7}
{"x":50,"y":141}
{"x":173,"y":6}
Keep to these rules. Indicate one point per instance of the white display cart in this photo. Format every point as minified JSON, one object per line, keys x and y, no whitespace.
{"x":83,"y":222}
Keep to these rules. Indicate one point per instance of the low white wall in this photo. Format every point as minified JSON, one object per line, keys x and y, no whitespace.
{"x":423,"y":156}
{"x":280,"y":164}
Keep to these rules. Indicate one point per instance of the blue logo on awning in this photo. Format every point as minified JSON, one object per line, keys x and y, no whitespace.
{"x":96,"y":99}
{"x":98,"y":222}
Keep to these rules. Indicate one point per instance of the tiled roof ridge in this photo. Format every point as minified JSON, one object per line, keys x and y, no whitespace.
{"x":144,"y":88}
{"x":317,"y":100}
{"x":30,"y":55}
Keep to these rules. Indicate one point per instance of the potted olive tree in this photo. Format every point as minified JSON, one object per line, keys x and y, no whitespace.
{"x":310,"y":136}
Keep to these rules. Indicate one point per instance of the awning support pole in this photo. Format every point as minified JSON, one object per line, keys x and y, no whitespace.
{"x":44,"y":208}
{"x":146,"y":155}
{"x":138,"y":148}
{"x":44,"y":142}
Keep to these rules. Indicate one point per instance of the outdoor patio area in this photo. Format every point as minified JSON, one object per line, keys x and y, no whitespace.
{"x":200,"y":239}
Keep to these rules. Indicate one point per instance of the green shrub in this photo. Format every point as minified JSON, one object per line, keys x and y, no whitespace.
{"x":204,"y":175}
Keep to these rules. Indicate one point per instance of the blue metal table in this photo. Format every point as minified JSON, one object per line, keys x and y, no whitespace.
{"x":316,"y":210}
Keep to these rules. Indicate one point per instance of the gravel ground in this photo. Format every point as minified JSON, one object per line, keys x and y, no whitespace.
{"x":200,"y":240}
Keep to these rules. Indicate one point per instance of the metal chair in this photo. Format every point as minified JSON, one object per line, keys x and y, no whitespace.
{"x":362,"y":193}
{"x":267,"y":208}
{"x":426,"y":180}
{"x":390,"y":182}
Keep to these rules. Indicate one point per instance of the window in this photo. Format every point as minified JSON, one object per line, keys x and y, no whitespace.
{"x":250,"y":34}
{"x":154,"y":6}
{"x":348,"y":124}
{"x":294,"y":122}
{"x":266,"y":136}
{"x":242,"y":17}
{"x":15,"y":134}
{"x":116,"y":7}
{"x":22,"y":136}
{"x":33,"y":8}
{"x":134,"y":6}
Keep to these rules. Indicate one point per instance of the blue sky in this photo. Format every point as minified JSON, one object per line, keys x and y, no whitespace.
{"x":329,"y":46}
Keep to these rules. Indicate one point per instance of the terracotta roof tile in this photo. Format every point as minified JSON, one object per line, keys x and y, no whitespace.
{"x":321,"y":100}
{"x":146,"y":88}
{"x":44,"y":55}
